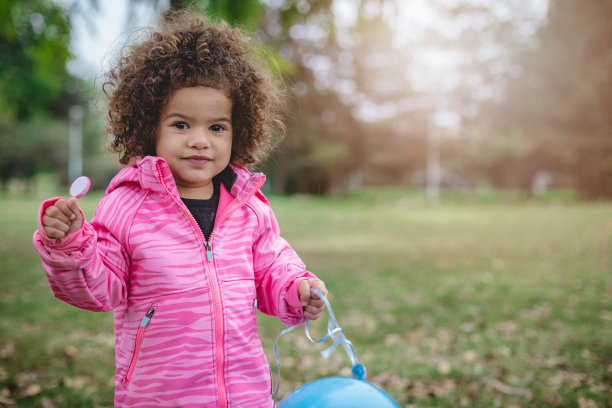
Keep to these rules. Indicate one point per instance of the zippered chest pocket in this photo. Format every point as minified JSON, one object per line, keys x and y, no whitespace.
{"x":140,"y":334}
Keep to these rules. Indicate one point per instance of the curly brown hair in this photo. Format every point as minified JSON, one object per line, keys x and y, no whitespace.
{"x":187,"y":51}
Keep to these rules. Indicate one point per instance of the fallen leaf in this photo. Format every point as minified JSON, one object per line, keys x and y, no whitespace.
{"x":586,"y":403}
{"x":71,"y":351}
{"x":7,"y":350}
{"x":25,"y":379}
{"x":393,"y":339}
{"x":390,"y":380}
{"x":470,"y":356}
{"x":76,"y":382}
{"x":31,"y":390}
{"x":444,"y":367}
{"x":506,"y":389}
{"x":7,"y":402}
{"x":47,"y":403}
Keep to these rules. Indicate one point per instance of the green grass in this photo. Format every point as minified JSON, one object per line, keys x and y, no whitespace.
{"x":474,"y":302}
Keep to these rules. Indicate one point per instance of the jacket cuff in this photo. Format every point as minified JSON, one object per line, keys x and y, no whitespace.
{"x":70,"y":242}
{"x":293,"y":298}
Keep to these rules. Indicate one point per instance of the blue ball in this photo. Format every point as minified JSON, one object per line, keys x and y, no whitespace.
{"x":338,"y":392}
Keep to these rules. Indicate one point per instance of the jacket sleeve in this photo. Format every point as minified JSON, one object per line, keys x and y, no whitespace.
{"x":88,"y":268}
{"x":278,"y":271}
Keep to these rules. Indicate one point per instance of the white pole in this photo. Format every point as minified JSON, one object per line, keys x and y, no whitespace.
{"x":433,"y":164}
{"x":75,"y":142}
{"x":441,"y":121}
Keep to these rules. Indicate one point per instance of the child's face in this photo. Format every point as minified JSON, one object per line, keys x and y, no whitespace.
{"x":195,"y":138}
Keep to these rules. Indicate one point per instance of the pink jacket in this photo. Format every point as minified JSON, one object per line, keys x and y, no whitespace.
{"x":185,"y":309}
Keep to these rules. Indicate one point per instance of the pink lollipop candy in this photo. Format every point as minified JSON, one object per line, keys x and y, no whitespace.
{"x":80,"y":186}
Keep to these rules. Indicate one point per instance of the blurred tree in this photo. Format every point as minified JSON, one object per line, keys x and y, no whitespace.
{"x":467,"y":62}
{"x":323,"y":147}
{"x":31,"y":147}
{"x":247,"y":13}
{"x":35,"y":87}
{"x":340,"y":72}
{"x":375,"y":77}
{"x":34,"y":49}
{"x":40,"y":143}
{"x":561,"y":97}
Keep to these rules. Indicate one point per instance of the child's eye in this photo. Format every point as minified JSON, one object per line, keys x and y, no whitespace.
{"x":217,"y":128}
{"x":180,"y":125}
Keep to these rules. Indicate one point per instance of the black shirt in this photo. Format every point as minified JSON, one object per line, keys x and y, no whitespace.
{"x":204,"y":211}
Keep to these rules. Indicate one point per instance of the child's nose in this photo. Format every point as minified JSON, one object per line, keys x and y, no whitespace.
{"x":199,"y":139}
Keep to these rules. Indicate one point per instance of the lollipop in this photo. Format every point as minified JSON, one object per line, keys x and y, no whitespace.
{"x":79,"y":187}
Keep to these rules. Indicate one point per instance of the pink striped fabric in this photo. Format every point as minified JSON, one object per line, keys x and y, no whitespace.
{"x":142,"y":251}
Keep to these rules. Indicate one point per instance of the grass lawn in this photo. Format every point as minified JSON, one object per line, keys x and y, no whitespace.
{"x":467,"y":303}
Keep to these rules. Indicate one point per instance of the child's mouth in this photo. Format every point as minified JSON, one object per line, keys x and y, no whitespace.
{"x":198,"y":161}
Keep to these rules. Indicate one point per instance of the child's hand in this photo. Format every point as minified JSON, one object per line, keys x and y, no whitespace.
{"x":313,"y":306}
{"x":62,"y":218}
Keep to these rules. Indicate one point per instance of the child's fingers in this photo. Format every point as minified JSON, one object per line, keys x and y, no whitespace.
{"x":55,"y":223}
{"x":54,"y":232}
{"x":311,"y":316}
{"x":312,"y":313}
{"x":58,"y":223}
{"x":64,"y":207}
{"x":316,"y":302}
{"x":313,"y":306}
{"x":319,"y":284}
{"x":313,"y":309}
{"x":56,"y":212}
{"x":304,"y":291}
{"x":77,"y":218}
{"x":73,"y":206}
{"x":62,"y":218}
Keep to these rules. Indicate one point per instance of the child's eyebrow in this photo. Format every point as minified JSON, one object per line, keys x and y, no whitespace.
{"x":223,"y":119}
{"x":186,"y":117}
{"x":177,"y":115}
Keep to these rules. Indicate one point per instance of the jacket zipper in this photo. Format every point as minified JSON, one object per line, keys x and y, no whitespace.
{"x":217,"y":307}
{"x":138,"y":342}
{"x":214,"y":284}
{"x":219,"y":323}
{"x":209,"y":254}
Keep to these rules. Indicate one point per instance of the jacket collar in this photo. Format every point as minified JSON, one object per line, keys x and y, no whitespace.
{"x":227,"y":177}
{"x":151,"y":172}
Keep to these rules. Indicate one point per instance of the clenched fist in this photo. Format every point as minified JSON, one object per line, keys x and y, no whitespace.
{"x":62,"y":218}
{"x":312,"y":304}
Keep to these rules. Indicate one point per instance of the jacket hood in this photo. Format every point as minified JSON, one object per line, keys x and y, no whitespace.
{"x":151,"y":171}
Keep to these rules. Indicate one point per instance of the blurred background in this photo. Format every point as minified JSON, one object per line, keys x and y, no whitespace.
{"x":447,"y":170}
{"x":468,"y":95}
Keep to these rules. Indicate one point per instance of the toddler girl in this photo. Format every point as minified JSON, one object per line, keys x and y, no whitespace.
{"x":183,"y":247}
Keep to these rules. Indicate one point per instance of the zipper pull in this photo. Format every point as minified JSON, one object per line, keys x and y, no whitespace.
{"x":147,"y":317}
{"x":209,"y":254}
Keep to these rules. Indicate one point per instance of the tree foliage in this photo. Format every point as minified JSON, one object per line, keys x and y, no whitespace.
{"x":34,"y":50}
{"x":562,"y":98}
{"x":328,"y":147}
{"x":36,"y":90}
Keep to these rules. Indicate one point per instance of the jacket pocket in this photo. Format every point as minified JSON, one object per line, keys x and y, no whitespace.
{"x":138,"y":342}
